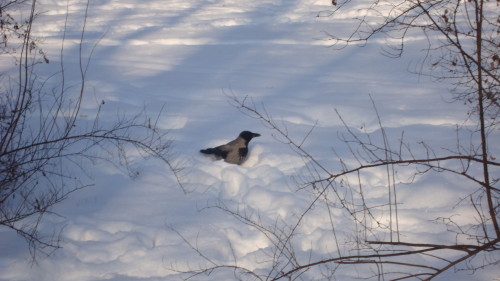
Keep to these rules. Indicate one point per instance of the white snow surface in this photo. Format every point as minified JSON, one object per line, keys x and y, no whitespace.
{"x":187,"y":57}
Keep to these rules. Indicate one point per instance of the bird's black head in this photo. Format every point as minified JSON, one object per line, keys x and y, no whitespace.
{"x":247,"y":135}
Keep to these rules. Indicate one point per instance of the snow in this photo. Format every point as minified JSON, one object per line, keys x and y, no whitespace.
{"x":187,"y":57}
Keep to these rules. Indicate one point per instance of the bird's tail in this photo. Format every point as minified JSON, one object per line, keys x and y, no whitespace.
{"x":208,"y":151}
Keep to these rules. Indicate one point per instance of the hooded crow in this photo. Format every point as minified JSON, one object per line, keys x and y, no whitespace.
{"x":235,"y":151}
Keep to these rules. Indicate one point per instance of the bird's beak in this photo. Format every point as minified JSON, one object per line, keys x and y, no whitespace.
{"x":255,"y":135}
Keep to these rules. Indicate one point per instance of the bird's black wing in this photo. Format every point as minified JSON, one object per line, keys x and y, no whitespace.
{"x":242,"y":152}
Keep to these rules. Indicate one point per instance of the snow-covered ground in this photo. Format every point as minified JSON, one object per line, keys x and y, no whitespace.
{"x":187,"y":57}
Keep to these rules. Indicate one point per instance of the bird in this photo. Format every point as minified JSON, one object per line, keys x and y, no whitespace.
{"x":235,"y":151}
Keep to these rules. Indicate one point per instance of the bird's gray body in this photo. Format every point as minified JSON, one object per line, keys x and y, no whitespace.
{"x":235,"y":151}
